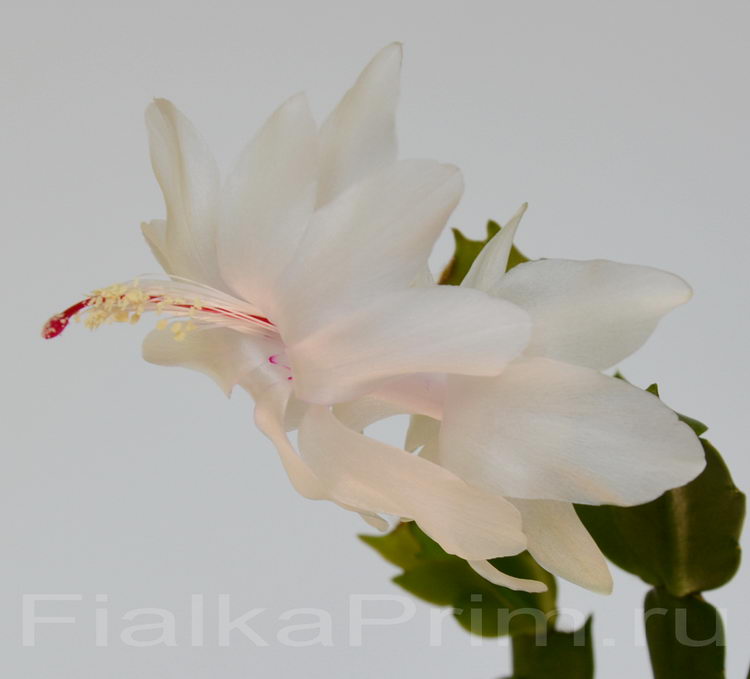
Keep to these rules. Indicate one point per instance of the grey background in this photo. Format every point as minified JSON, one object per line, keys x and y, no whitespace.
{"x":624,"y":124}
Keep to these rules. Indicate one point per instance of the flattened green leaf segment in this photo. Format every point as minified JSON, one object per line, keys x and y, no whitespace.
{"x":555,"y":655}
{"x":685,"y":637}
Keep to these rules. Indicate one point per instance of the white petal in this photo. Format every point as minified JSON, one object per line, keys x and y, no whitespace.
{"x":155,"y":233}
{"x":189,"y":179}
{"x":271,"y":400}
{"x":375,"y":238}
{"x":490,"y":265}
{"x":423,"y":436}
{"x":360,"y":134}
{"x":295,"y":410}
{"x":552,"y":431}
{"x":560,"y":543}
{"x":424,"y":279}
{"x":404,"y":395}
{"x":431,"y":450}
{"x":420,"y":330}
{"x":364,"y":473}
{"x":267,"y":201}
{"x":231,"y":358}
{"x":375,"y":521}
{"x":422,"y":430}
{"x":496,"y":577}
{"x":422,"y":394}
{"x":362,"y":412}
{"x":222,"y":354}
{"x":591,"y":313}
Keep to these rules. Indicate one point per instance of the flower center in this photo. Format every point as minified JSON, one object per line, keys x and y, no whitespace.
{"x":280,"y":361}
{"x":199,"y":304}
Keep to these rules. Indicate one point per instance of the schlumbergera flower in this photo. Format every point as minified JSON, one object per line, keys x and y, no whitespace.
{"x":295,"y":280}
{"x":303,"y":279}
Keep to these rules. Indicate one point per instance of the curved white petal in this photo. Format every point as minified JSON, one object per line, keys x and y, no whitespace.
{"x":560,"y":543}
{"x":401,"y":396}
{"x":295,"y":410}
{"x":591,"y":313}
{"x":419,"y":330}
{"x":422,"y":394}
{"x":155,"y":233}
{"x":362,"y":412}
{"x":271,"y":399}
{"x":222,"y":354}
{"x":267,"y":201}
{"x":373,"y":239}
{"x":545,"y":430}
{"x":375,"y":521}
{"x":496,"y":577}
{"x":490,"y":265}
{"x":360,"y":134}
{"x":189,"y":179}
{"x":377,"y":478}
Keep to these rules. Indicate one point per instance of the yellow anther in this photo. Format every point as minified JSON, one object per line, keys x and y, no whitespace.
{"x":126,"y":303}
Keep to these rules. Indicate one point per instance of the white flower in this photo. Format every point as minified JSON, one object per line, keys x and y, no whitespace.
{"x":294,"y":279}
{"x":551,"y":430}
{"x":303,"y":279}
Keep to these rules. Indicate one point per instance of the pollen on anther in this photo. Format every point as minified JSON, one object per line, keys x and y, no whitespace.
{"x":127,"y":302}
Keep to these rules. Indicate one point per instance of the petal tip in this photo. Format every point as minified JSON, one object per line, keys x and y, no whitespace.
{"x":601,"y":581}
{"x":393,"y":51}
{"x":297,"y":100}
{"x":606,"y":588}
{"x":159,"y":107}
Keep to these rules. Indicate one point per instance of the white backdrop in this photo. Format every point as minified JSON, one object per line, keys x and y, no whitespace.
{"x":625,"y":125}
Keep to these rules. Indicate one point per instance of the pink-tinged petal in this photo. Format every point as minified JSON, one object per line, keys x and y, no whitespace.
{"x":267,"y":201}
{"x":421,"y":394}
{"x":496,"y":577}
{"x":560,"y":543}
{"x":373,"y":239}
{"x":546,"y":430}
{"x":592,"y":313}
{"x":271,"y":402}
{"x":362,"y":412}
{"x":412,"y":394}
{"x":359,"y":136}
{"x":189,"y":179}
{"x":222,"y":354}
{"x":361,"y":472}
{"x":419,"y":330}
